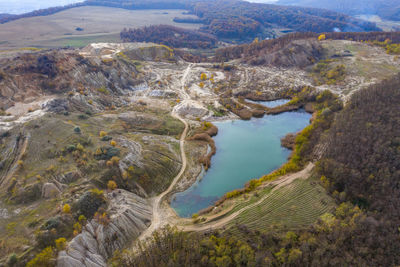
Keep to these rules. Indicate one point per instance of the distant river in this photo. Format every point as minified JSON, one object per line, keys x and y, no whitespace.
{"x":23,"y":6}
{"x":245,"y":150}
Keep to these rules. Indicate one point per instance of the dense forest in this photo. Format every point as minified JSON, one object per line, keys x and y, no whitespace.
{"x":361,"y":170}
{"x":387,"y":9}
{"x":244,"y":17}
{"x":170,"y":36}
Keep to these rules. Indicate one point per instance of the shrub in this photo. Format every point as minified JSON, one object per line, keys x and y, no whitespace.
{"x":111,"y":185}
{"x":106,"y":152}
{"x":77,"y":227}
{"x":322,"y":37}
{"x":70,"y":148}
{"x":82,"y":218}
{"x":103,"y":90}
{"x":12,"y":260}
{"x":79,"y":147}
{"x":83,"y":116}
{"x":232,"y":194}
{"x":89,"y":203}
{"x":113,"y":143}
{"x":106,"y":138}
{"x":61,"y":243}
{"x":97,"y":192}
{"x":77,"y":130}
{"x":115,"y":160}
{"x":46,"y":258}
{"x":66,"y":208}
{"x":102,"y":133}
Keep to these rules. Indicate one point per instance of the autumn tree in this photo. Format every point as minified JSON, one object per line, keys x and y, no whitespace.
{"x":111,"y":185}
{"x":66,"y":208}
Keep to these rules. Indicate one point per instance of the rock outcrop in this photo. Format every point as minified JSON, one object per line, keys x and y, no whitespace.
{"x":129,"y":214}
{"x":50,"y":190}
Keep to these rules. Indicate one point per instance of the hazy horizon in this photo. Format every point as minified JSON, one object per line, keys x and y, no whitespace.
{"x":23,"y":6}
{"x":262,"y":1}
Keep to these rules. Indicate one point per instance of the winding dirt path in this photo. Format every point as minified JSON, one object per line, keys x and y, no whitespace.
{"x":157,"y":221}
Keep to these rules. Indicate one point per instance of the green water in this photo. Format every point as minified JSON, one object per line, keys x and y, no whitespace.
{"x":245,"y":150}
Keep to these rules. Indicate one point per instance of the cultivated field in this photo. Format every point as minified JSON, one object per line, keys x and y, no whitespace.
{"x":99,"y":24}
{"x":293,"y":206}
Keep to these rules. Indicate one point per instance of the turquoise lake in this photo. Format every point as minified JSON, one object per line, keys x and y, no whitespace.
{"x":245,"y":150}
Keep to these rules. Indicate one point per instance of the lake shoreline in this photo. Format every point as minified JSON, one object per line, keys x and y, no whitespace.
{"x":287,"y":152}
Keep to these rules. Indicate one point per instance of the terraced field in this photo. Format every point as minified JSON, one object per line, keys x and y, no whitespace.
{"x":293,"y":206}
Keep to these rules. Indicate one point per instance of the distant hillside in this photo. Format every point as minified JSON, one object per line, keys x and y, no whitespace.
{"x":4,"y":15}
{"x":236,"y":19}
{"x":387,"y":9}
{"x":240,"y":19}
{"x":41,"y":12}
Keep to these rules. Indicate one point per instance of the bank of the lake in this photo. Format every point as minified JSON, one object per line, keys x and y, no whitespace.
{"x":245,"y":150}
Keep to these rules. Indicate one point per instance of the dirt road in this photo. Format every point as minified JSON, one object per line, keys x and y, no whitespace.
{"x":157,"y":221}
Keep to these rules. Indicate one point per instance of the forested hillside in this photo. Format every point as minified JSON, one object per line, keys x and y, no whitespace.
{"x":360,"y":169}
{"x":170,"y":36}
{"x":240,"y":18}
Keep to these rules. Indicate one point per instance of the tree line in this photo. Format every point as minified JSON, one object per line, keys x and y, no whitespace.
{"x":170,"y":36}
